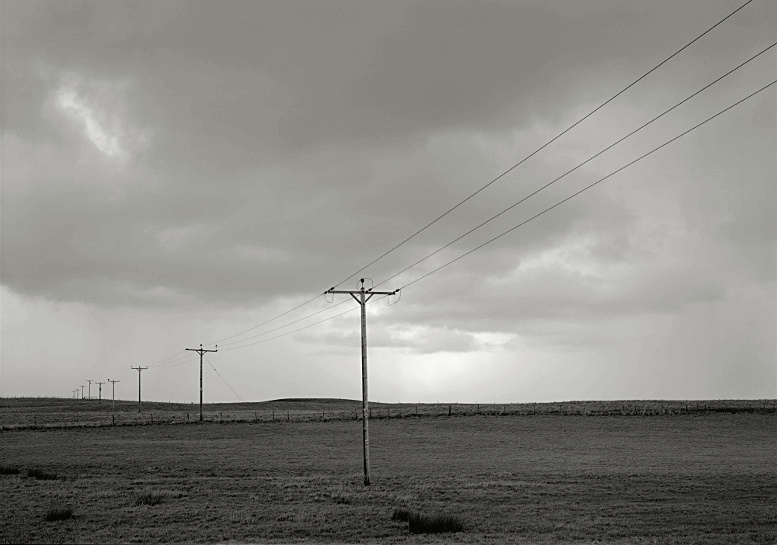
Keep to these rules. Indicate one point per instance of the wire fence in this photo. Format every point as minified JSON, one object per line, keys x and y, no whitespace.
{"x":23,"y":420}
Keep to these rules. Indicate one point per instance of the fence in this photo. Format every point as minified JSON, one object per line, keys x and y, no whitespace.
{"x":19,"y":419}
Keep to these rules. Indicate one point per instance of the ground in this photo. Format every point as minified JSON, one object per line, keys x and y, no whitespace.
{"x":698,"y":478}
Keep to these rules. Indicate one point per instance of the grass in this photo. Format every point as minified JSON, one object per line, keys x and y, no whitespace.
{"x":419,"y":523}
{"x":58,"y":513}
{"x":41,"y":475}
{"x":703,"y":479}
{"x":149,"y":498}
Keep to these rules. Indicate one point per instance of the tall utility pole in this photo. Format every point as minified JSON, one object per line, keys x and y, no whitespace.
{"x":201,"y":351}
{"x":82,"y":391}
{"x":90,"y":389}
{"x":99,"y":392}
{"x":139,"y":370}
{"x":113,"y":393}
{"x":363,"y":297}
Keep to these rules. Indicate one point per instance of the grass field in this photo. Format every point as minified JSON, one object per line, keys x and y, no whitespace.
{"x":699,"y":478}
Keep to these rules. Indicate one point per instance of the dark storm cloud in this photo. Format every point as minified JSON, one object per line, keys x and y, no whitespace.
{"x":272,"y":148}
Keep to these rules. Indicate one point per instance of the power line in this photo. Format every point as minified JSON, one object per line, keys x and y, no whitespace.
{"x":601,"y":152}
{"x":223,"y":379}
{"x":286,"y":325}
{"x":500,"y":176}
{"x":528,"y":220}
{"x":546,"y":144}
{"x":591,"y":158}
{"x":268,"y":321}
{"x":295,"y":331}
{"x":589,"y":186}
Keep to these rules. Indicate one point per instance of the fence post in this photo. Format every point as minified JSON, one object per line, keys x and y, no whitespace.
{"x":288,"y":416}
{"x":113,"y":420}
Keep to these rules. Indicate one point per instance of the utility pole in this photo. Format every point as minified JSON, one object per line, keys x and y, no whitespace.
{"x":201,"y":351}
{"x":113,"y":393}
{"x":82,"y":391}
{"x":139,"y":370}
{"x":363,"y":297}
{"x":90,"y":389}
{"x":99,"y":392}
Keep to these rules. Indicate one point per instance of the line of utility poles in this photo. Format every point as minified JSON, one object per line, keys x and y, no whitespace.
{"x":139,"y":370}
{"x":201,"y":351}
{"x":363,"y":297}
{"x":113,"y":392}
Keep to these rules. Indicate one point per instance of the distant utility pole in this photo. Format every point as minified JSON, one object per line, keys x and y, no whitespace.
{"x":139,"y":370}
{"x":99,"y":392}
{"x":201,"y":351}
{"x":113,"y":393}
{"x":90,"y":389}
{"x":82,"y":391}
{"x":363,"y":297}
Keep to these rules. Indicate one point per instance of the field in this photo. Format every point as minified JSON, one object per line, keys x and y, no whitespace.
{"x":707,"y":477}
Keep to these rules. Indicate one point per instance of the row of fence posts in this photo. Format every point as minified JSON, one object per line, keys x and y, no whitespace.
{"x":635,"y":411}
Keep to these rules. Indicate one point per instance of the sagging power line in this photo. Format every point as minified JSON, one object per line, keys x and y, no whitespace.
{"x":525,"y":222}
{"x":513,"y":167}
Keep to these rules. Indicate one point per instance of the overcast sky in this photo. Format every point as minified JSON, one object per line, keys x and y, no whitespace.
{"x":175,"y":173}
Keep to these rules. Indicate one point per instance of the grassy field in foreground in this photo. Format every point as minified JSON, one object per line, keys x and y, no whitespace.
{"x":680,"y":479}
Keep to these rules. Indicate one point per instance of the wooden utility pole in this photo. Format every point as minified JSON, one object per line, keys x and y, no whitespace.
{"x":363,"y":297}
{"x":113,"y":393}
{"x":139,"y":370}
{"x":201,"y":351}
{"x":82,"y":391}
{"x":90,"y":389}
{"x":99,"y":392}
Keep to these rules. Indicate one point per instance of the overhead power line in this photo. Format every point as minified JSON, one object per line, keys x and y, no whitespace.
{"x":600,"y":180}
{"x":546,"y":144}
{"x":223,"y":379}
{"x":482,"y":224}
{"x":570,"y":171}
{"x":422,"y":277}
{"x":513,"y":167}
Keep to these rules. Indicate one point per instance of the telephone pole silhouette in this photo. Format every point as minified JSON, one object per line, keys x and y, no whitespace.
{"x":90,"y":389}
{"x":113,"y":394}
{"x":201,"y":351}
{"x":363,"y":297}
{"x":82,"y":391}
{"x":99,"y":392}
{"x":139,"y":370}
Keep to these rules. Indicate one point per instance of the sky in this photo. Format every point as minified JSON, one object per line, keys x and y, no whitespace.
{"x":185,"y":173}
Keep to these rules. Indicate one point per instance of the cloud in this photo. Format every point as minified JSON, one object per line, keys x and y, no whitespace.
{"x":167,"y":157}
